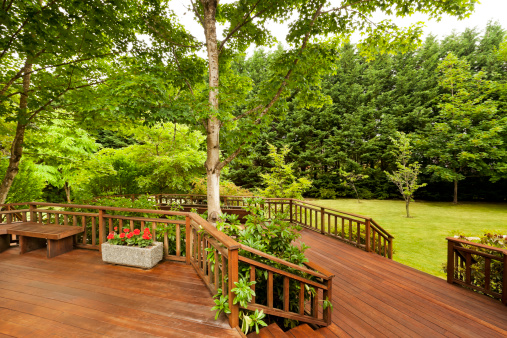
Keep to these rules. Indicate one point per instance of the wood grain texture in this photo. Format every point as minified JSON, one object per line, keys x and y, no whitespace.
{"x":76,"y":294}
{"x":375,"y":296}
{"x":38,"y":230}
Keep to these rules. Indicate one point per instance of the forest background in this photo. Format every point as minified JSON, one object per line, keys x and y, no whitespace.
{"x":449,"y":96}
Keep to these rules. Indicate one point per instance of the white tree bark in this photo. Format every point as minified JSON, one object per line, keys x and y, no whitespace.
{"x":213,"y":124}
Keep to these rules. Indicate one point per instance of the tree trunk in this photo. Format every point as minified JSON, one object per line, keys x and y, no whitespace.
{"x":213,"y":124}
{"x":17,"y":143}
{"x":67,"y":192}
{"x":407,"y":204}
{"x":455,"y":200}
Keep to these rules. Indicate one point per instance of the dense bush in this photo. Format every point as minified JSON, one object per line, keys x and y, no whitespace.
{"x":276,"y":237}
{"x":21,"y":190}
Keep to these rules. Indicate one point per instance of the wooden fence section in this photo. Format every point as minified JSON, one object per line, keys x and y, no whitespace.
{"x":354,"y":229}
{"x":479,"y":267}
{"x":217,"y":258}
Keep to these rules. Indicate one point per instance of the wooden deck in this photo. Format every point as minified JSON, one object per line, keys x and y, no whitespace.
{"x":374,"y":296}
{"x":76,"y":294}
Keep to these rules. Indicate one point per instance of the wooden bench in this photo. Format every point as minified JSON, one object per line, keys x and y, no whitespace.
{"x":5,"y":238}
{"x":32,"y":236}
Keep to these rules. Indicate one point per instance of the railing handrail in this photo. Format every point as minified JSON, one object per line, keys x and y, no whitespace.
{"x":284,"y":262}
{"x":478,"y":245}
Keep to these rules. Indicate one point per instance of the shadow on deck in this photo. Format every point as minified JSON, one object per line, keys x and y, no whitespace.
{"x":76,"y":294}
{"x":375,"y":296}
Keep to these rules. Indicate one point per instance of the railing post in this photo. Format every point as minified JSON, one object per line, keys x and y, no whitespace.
{"x":322,"y":231}
{"x":368,"y":234}
{"x":188,"y":242}
{"x":33,"y":217}
{"x":504,"y":287}
{"x":233,"y":265}
{"x":450,"y":262}
{"x":390,"y":248}
{"x":101,"y":228}
{"x":328,"y":294}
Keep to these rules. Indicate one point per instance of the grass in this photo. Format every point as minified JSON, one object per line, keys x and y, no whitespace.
{"x":420,"y":241}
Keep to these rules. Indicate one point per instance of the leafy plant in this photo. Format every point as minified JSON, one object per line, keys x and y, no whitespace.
{"x":221,"y":304}
{"x":252,"y":320}
{"x":282,"y":182}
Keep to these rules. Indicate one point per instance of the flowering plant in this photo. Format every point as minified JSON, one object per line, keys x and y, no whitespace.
{"x":132,"y":238}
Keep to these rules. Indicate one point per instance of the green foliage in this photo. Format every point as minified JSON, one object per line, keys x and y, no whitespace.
{"x":350,"y":179}
{"x":252,"y":320}
{"x":371,"y":102}
{"x":20,"y":190}
{"x":468,"y":136}
{"x":221,"y":304}
{"x":276,"y":237}
{"x":165,"y":158}
{"x":227,"y":188}
{"x":62,"y":152}
{"x":282,"y":182}
{"x":407,"y":174}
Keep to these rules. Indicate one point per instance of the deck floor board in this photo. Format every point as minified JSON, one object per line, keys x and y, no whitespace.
{"x":398,"y":300}
{"x":78,"y":294}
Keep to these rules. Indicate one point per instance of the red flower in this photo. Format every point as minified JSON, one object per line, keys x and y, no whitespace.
{"x":115,"y":228}
{"x":137,"y":232}
{"x":110,"y":236}
{"x":129,"y":235}
{"x":125,"y":230}
{"x":122,"y":235}
{"x":146,"y":230}
{"x":146,"y":236}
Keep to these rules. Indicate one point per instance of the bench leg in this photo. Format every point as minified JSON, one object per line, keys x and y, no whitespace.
{"x":27,"y":244}
{"x":5,"y":242}
{"x":60,"y":246}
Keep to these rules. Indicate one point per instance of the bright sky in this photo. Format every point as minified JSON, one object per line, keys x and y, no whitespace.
{"x":495,"y":10}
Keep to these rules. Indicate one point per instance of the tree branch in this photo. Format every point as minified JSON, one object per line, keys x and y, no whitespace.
{"x":21,"y":27}
{"x":231,"y":157}
{"x":345,"y":6}
{"x":59,"y":95}
{"x":165,"y":38}
{"x":238,"y":26}
{"x":286,"y":78}
{"x":181,"y":72}
{"x":247,"y":113}
{"x":196,"y":12}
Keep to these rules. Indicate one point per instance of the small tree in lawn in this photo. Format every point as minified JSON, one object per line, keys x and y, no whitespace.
{"x":350,"y":178}
{"x":405,"y":177}
{"x":282,"y":182}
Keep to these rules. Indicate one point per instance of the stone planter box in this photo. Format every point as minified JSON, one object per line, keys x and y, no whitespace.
{"x":145,"y":258}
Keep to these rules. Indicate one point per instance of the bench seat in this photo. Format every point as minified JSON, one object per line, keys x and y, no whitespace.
{"x":32,"y":236}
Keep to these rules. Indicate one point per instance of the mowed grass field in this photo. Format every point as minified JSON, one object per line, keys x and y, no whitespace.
{"x":420,"y":241}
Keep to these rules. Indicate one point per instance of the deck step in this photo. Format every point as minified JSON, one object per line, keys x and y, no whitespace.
{"x":270,"y":331}
{"x":301,"y":331}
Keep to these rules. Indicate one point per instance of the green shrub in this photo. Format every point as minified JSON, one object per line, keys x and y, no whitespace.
{"x":28,"y":183}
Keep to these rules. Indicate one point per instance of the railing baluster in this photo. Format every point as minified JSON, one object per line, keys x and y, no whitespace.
{"x":301,"y":298}
{"x":252,"y":279}
{"x":178,"y":240}
{"x":94,"y":229}
{"x":286,"y":294}
{"x":468,"y":268}
{"x":65,"y":220}
{"x":74,"y":220}
{"x":315,"y":304}
{"x":358,"y":233}
{"x":487,"y":274}
{"x":270,"y":289}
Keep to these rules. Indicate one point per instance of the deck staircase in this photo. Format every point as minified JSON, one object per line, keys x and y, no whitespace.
{"x":301,"y":331}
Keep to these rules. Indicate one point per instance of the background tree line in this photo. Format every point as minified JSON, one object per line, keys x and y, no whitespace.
{"x":449,"y":96}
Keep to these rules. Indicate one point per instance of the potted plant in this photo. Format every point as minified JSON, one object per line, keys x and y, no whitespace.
{"x":132,"y":248}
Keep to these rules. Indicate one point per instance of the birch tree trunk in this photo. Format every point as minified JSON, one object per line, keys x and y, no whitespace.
{"x":213,"y":124}
{"x":17,"y":143}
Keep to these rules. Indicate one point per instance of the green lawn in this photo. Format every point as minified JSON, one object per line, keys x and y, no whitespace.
{"x":420,"y":241}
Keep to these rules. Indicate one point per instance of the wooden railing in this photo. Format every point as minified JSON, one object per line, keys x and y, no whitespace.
{"x":217,"y":258}
{"x":471,"y":265}
{"x":358,"y":230}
